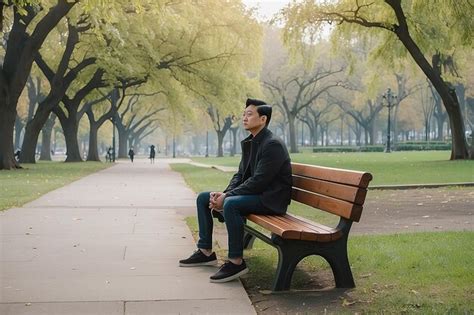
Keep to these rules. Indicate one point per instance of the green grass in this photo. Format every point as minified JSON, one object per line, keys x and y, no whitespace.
{"x":203,"y":179}
{"x":397,"y":168}
{"x":424,"y":273}
{"x":417,"y":273}
{"x":18,"y":187}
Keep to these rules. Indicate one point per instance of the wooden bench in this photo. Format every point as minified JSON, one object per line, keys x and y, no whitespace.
{"x":337,"y":191}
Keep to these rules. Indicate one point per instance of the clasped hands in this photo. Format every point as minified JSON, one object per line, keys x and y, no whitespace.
{"x":216,"y":201}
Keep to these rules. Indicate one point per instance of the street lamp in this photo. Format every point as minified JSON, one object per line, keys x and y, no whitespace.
{"x":390,"y":101}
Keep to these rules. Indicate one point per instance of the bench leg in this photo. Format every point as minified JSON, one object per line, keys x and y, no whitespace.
{"x":340,"y":268}
{"x":290,"y":253}
{"x":248,"y":240}
{"x":288,"y":259}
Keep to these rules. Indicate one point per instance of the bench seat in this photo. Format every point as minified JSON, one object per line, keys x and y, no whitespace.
{"x":295,"y":228}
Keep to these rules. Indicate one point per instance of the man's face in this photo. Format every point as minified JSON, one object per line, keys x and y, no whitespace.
{"x":251,"y":120}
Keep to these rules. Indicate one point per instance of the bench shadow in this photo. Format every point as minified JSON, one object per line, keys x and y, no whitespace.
{"x":312,"y":292}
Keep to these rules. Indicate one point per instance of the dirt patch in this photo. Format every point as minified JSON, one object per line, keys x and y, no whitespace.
{"x":385,"y":212}
{"x":417,"y":210}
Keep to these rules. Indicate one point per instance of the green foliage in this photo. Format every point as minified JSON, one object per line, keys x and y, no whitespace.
{"x":21,"y":186}
{"x":436,"y":25}
{"x":439,"y":26}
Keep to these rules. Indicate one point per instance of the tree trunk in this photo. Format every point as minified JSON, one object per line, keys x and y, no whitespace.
{"x":32,"y":131}
{"x":292,"y":133}
{"x":234,"y":141}
{"x":315,"y":134}
{"x":395,"y":124}
{"x":447,"y":94}
{"x":93,"y":153}
{"x":459,"y":150}
{"x":322,"y":134}
{"x":371,"y":133}
{"x":440,"y":119}
{"x":123,"y":139}
{"x":7,"y":123}
{"x":46,"y":138}
{"x":70,"y":127}
{"x":72,"y":145}
{"x":220,"y":141}
{"x":19,"y":125}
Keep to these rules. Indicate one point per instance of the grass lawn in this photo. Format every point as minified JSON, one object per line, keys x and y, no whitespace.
{"x":18,"y":187}
{"x":396,"y":168}
{"x":422,"y":273}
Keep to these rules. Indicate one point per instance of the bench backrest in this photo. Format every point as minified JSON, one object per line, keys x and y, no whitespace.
{"x":340,"y":192}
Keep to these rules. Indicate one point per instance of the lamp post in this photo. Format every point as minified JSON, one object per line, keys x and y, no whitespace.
{"x":390,"y":101}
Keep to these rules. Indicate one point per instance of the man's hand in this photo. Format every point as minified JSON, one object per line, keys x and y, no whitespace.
{"x":216,"y":200}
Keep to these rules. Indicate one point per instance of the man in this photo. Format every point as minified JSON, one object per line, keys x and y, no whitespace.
{"x":261,"y":186}
{"x":152,"y":154}
{"x":131,"y":154}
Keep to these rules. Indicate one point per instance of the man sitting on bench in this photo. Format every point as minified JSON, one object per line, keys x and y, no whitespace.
{"x":262,"y":185}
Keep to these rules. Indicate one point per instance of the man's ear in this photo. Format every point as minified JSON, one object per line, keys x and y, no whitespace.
{"x":264,"y":118}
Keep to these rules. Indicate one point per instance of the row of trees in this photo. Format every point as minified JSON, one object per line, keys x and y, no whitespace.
{"x":167,"y":65}
{"x":375,"y":47}
{"x":335,"y":88}
{"x":440,"y":30}
{"x":100,"y":57}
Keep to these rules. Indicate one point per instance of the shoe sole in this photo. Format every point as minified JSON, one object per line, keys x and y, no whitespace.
{"x":207,"y":263}
{"x":237,"y":275}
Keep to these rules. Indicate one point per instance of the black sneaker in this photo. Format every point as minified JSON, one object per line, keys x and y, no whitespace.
{"x":198,"y":258}
{"x":229,"y":271}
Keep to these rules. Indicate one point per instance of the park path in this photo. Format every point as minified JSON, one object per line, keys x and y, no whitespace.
{"x":109,"y":243}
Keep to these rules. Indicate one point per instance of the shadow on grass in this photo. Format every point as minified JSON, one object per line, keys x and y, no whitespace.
{"x":312,"y":288}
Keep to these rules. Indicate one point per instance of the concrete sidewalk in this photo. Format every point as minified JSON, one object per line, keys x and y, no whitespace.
{"x":109,"y":244}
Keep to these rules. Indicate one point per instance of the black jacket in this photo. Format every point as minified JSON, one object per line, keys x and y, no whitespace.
{"x":265,"y":170}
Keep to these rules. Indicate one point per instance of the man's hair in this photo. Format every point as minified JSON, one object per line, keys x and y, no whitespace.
{"x":263,"y":109}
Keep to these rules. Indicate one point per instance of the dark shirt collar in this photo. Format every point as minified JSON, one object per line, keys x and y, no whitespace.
{"x":258,"y":138}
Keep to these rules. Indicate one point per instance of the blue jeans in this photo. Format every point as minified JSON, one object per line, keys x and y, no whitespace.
{"x":235,"y":208}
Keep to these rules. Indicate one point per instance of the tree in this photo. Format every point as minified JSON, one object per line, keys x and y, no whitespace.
{"x":131,"y":120}
{"x":448,"y":24}
{"x":427,"y":106}
{"x":296,"y":90}
{"x":46,"y":132}
{"x":96,"y":122}
{"x":221,"y":124}
{"x":312,"y":118}
{"x":21,"y":48}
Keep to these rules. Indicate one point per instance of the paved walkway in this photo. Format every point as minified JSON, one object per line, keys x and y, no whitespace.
{"x":109,"y":244}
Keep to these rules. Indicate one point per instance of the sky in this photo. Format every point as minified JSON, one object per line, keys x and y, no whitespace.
{"x":266,"y":8}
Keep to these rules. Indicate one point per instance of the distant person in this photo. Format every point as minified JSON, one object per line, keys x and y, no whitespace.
{"x":17,"y":155}
{"x":131,"y":154}
{"x":152,"y":154}
{"x":108,"y":155}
